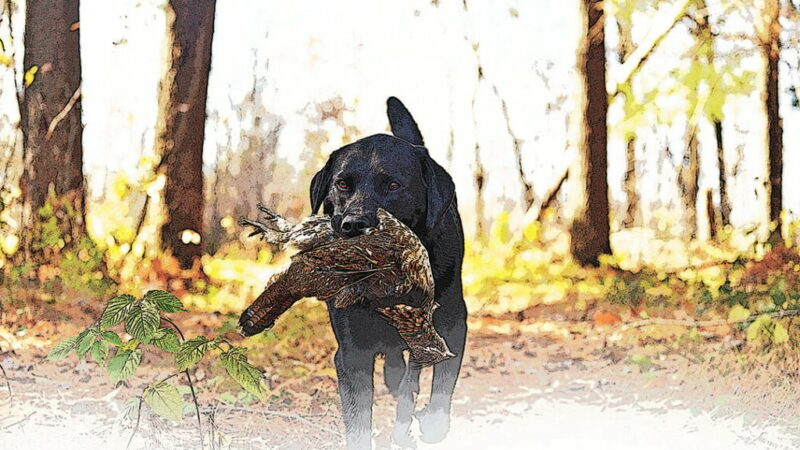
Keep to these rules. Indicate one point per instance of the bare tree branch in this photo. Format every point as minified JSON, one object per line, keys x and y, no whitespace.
{"x":665,"y":24}
{"x":63,"y":113}
{"x":704,"y":323}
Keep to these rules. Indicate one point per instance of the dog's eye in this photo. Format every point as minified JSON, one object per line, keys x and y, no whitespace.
{"x":342,"y":185}
{"x":393,"y":186}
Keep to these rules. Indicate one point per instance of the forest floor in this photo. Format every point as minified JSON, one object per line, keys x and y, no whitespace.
{"x":558,"y":385}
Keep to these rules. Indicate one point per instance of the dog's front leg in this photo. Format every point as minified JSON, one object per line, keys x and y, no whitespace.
{"x":354,"y":373}
{"x":435,"y":418}
{"x":406,"y":392}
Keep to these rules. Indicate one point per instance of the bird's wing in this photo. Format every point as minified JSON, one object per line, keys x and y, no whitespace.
{"x":363,"y":255}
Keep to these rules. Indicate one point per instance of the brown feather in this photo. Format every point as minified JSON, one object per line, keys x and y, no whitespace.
{"x":388,"y":261}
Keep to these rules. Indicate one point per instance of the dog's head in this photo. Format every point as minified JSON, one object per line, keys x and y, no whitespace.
{"x":395,"y":173}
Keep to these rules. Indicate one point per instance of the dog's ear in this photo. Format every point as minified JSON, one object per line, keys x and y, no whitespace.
{"x":441,"y":190}
{"x":320,"y":185}
{"x":403,"y":125}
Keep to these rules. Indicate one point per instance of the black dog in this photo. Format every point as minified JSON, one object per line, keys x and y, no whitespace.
{"x":395,"y":173}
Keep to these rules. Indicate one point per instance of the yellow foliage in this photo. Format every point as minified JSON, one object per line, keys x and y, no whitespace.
{"x":9,"y":244}
{"x":121,"y":186}
{"x":30,"y":74}
{"x":738,"y":312}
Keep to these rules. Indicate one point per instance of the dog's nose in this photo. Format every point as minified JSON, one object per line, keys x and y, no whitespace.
{"x":354,"y":225}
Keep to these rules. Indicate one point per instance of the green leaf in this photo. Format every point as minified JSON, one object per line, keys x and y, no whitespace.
{"x":116,"y":310}
{"x":192,"y":351}
{"x":227,"y":397}
{"x":166,"y":339}
{"x":100,"y":351}
{"x":644,"y":363}
{"x":164,"y":301}
{"x":165,"y":400}
{"x":123,"y":364}
{"x":62,"y":349}
{"x":778,"y":292}
{"x":111,"y":337}
{"x":85,"y":341}
{"x":235,"y":363}
{"x":142,"y":320}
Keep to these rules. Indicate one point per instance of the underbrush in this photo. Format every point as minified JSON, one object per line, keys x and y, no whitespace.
{"x":506,"y":276}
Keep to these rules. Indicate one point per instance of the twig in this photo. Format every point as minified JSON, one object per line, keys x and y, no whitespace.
{"x":551,"y":196}
{"x":283,"y":415}
{"x":191,"y":386}
{"x":169,"y":321}
{"x":196,"y":407}
{"x":8,"y":384}
{"x":212,"y":421}
{"x":63,"y":113}
{"x":704,"y":323}
{"x":517,"y":144}
{"x":142,"y":217}
{"x":135,"y":427}
{"x":20,"y":420}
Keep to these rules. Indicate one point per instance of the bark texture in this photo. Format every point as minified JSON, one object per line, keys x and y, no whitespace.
{"x":590,"y":229}
{"x":50,"y":110}
{"x":181,"y":126}
{"x":769,"y":41}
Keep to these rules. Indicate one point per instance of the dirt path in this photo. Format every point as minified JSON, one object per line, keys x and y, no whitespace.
{"x":525,"y":391}
{"x":533,"y":393}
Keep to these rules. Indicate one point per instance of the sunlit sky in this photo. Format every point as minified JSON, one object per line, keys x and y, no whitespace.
{"x":426,"y":55}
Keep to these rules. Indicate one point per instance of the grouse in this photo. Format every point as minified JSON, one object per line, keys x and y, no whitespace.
{"x":386,"y":267}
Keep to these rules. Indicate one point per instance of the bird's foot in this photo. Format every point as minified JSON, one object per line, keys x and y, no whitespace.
{"x":260,"y":227}
{"x":270,"y":214}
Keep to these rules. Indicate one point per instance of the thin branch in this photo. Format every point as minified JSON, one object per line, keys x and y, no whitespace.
{"x":63,"y":113}
{"x":169,"y":321}
{"x":142,"y":217}
{"x":551,"y":196}
{"x":527,"y":188}
{"x":536,"y":213}
{"x":8,"y":384}
{"x":196,"y":407}
{"x":639,"y":56}
{"x":704,"y":323}
{"x":135,"y":427}
{"x":212,"y":422}
{"x":282,"y":415}
{"x":191,"y":385}
{"x":28,"y":416}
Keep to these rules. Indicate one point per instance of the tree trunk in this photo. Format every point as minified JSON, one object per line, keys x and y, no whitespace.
{"x":50,"y":112}
{"x":705,"y":56}
{"x":181,"y":127}
{"x":711,"y":214}
{"x":724,"y":201}
{"x":626,"y":47}
{"x":769,"y":30}
{"x":688,"y":180}
{"x":631,"y":192}
{"x":590,"y":229}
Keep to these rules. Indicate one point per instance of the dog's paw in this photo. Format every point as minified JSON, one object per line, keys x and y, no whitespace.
{"x":434,"y":425}
{"x":401,"y":438}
